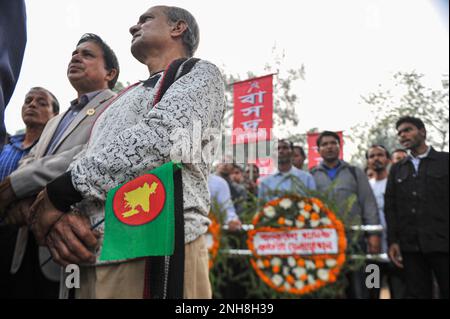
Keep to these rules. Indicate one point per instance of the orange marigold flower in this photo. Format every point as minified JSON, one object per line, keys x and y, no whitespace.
{"x":317,"y":202}
{"x":308,"y":207}
{"x":301,"y":263}
{"x":266,"y":263}
{"x":290,"y":279}
{"x":332,"y":277}
{"x":315,"y":216}
{"x":276,"y":269}
{"x":320,"y":263}
{"x":281,"y":220}
{"x":304,"y":277}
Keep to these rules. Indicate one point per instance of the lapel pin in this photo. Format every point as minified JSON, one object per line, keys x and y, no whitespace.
{"x":90,"y":112}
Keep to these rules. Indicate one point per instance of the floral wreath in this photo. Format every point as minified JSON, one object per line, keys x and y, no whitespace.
{"x":213,"y":238}
{"x":297,"y":274}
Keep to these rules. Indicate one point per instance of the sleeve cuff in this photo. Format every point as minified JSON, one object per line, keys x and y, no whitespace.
{"x":62,"y":193}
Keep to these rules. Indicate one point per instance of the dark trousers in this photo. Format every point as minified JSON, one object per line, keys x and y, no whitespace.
{"x":356,"y":288}
{"x":7,"y":241}
{"x":419,"y":269}
{"x":28,"y":282}
{"x":395,"y":279}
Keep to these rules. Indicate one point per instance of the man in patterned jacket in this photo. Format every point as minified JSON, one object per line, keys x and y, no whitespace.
{"x":130,"y":138}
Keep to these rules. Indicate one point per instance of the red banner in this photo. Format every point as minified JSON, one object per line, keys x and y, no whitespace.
{"x":313,"y":153}
{"x":253,"y":108}
{"x":266,"y":166}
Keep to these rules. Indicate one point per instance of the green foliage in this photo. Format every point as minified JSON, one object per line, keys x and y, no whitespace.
{"x":120,"y":86}
{"x":408,"y":96}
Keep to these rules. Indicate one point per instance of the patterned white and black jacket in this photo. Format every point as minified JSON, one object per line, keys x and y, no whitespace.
{"x":132,"y":137}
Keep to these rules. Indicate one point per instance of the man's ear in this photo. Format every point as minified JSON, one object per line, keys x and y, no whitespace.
{"x":111,"y":75}
{"x":423,"y":132}
{"x":178,"y":28}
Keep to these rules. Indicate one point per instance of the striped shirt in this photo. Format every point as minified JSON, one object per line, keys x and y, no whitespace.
{"x":11,"y":155}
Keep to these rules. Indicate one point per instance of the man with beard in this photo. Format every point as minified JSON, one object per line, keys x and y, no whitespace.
{"x":348,"y":181}
{"x":417,"y":212}
{"x":287,"y":178}
{"x":378,"y":159}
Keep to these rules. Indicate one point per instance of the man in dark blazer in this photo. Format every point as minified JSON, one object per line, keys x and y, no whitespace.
{"x":417,"y":212}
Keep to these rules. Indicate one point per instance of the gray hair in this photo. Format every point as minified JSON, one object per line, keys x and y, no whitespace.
{"x":191,"y":37}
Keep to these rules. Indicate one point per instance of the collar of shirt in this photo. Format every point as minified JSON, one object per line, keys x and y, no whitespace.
{"x":17,"y":140}
{"x":332,"y":172}
{"x":421,"y":156}
{"x":278,"y":173}
{"x":152,"y":80}
{"x":76,"y":105}
{"x":331,"y":168}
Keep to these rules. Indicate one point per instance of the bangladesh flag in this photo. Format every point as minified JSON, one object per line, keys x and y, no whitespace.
{"x":140,"y":216}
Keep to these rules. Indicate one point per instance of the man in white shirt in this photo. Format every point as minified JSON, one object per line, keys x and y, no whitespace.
{"x":221,"y":196}
{"x":378,"y":159}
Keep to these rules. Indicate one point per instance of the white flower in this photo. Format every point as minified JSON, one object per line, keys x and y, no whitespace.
{"x":310,"y":264}
{"x":260,"y":264}
{"x":269,"y":211}
{"x":291,"y":261}
{"x":305,"y":214}
{"x":330,"y":263}
{"x":286,"y":203}
{"x":311,"y":280}
{"x":299,"y":271}
{"x":301,"y":204}
{"x":325,"y":221}
{"x":299,"y":284}
{"x":209,"y":241}
{"x":276,"y":261}
{"x":286,"y":270}
{"x":299,"y":224}
{"x":287,"y":286}
{"x":323,"y":274}
{"x":277,"y":280}
{"x":315,"y":207}
{"x":314,"y":223}
{"x":288,"y":222}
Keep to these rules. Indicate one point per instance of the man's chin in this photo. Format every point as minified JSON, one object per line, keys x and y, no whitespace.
{"x":136,"y":51}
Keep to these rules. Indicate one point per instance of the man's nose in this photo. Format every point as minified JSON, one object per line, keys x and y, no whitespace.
{"x":75,"y":58}
{"x":31,"y":104}
{"x":134,"y":29}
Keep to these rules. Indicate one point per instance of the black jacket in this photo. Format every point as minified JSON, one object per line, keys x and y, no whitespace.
{"x":416,"y":205}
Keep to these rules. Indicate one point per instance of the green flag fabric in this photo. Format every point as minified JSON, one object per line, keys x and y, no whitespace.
{"x":140,"y":217}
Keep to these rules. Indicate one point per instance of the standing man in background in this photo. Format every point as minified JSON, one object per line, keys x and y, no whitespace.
{"x":417,"y":212}
{"x":39,"y":106}
{"x":378,"y":160}
{"x":299,"y":157}
{"x":349,"y":181}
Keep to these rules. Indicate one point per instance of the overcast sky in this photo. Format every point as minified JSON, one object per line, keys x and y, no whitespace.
{"x":348,"y":47}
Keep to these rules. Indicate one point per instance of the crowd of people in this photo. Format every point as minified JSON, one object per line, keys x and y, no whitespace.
{"x":404,"y":192}
{"x":54,"y":178}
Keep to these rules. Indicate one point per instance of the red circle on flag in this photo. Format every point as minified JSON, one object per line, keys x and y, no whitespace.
{"x":139,"y":201}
